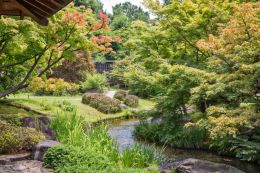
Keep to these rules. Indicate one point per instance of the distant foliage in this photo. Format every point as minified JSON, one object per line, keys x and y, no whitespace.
{"x":52,"y":86}
{"x":14,"y":139}
{"x":94,"y":81}
{"x":102,"y":103}
{"x":133,"y":12}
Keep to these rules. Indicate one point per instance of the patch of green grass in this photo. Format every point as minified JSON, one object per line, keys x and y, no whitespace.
{"x":10,"y":110}
{"x":49,"y":105}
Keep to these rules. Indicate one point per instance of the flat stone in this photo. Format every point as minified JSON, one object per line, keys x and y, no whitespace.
{"x":42,"y":147}
{"x":19,"y":167}
{"x":25,"y":166}
{"x":6,"y":159}
{"x":198,"y":166}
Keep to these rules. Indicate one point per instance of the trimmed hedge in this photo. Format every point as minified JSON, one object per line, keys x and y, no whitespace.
{"x":15,"y":139}
{"x":121,"y":95}
{"x":102,"y":103}
{"x":131,"y":100}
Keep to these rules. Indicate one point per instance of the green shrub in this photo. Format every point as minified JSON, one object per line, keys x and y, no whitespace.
{"x":66,"y":106}
{"x":46,"y":105}
{"x":94,"y":81}
{"x":14,"y":139}
{"x":102,"y":103}
{"x":121,"y":95}
{"x":52,"y":86}
{"x":167,"y":132}
{"x":72,"y":159}
{"x":131,"y":100}
{"x":12,"y":119}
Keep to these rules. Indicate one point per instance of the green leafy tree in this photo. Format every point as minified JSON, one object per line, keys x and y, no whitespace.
{"x":133,"y":12}
{"x":95,"y":5}
{"x":29,"y":50}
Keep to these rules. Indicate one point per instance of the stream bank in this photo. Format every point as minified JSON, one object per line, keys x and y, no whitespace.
{"x":122,"y":132}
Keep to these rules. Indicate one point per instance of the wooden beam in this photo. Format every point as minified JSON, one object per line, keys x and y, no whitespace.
{"x":38,"y":10}
{"x":27,"y":12}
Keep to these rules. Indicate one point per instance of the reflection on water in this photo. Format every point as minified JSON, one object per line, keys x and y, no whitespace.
{"x":122,"y":131}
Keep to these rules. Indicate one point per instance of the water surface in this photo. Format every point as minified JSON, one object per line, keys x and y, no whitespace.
{"x":122,"y":131}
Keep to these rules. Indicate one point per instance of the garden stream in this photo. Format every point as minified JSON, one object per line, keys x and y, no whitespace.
{"x":122,"y":131}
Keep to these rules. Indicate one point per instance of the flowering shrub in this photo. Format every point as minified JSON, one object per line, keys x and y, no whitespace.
{"x":102,"y":103}
{"x":52,"y":86}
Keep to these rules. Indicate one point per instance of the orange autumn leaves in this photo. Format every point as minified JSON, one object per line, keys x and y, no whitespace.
{"x":101,"y":41}
{"x":102,"y":23}
{"x":104,"y":42}
{"x":242,"y":29}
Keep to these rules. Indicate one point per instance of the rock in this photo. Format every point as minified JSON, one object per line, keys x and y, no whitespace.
{"x":186,"y":120}
{"x":41,"y":124}
{"x":25,"y":166}
{"x":42,"y":147}
{"x":110,"y":94}
{"x":198,"y":166}
{"x":6,"y":159}
{"x":123,"y":106}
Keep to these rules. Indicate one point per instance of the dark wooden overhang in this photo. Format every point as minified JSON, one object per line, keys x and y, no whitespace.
{"x":38,"y":10}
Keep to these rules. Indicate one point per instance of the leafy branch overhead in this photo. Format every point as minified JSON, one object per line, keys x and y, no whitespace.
{"x":27,"y":49}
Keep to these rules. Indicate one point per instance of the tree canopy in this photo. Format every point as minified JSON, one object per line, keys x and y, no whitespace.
{"x":28,"y":49}
{"x":131,"y":11}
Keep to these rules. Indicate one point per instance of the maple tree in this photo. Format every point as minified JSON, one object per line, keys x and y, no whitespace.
{"x":37,"y":49}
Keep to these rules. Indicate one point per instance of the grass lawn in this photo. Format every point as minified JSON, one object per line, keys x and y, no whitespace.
{"x":48,"y":105}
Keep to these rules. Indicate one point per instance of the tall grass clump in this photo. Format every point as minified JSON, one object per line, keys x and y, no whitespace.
{"x":140,"y":156}
{"x":90,"y":150}
{"x":94,"y":81}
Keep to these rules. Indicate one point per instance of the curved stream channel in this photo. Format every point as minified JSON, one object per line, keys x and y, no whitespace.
{"x":122,"y":131}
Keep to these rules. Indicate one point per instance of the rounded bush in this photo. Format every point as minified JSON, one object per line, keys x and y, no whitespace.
{"x":102,"y":103}
{"x":131,"y":100}
{"x":121,"y":95}
{"x":14,"y":139}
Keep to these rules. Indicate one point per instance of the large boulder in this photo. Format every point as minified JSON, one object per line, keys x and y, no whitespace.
{"x":198,"y":166}
{"x":42,"y":147}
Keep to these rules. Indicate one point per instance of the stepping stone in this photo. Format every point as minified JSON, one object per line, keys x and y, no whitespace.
{"x":25,"y":166}
{"x":6,"y":159}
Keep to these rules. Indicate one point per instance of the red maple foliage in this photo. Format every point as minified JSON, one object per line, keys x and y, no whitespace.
{"x":102,"y":23}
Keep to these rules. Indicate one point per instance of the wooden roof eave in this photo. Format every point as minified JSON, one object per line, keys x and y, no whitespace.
{"x":38,"y":10}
